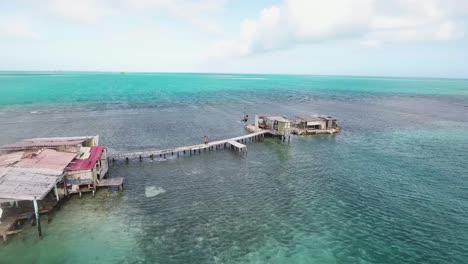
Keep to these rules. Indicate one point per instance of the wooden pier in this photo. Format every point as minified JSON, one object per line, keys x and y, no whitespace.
{"x":235,"y":143}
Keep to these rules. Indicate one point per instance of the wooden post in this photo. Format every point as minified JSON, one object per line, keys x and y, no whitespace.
{"x":38,"y":221}
{"x":56,"y":192}
{"x":95,"y":179}
{"x":65,"y":191}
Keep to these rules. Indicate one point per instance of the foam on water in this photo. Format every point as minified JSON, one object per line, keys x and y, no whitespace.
{"x":151,"y":191}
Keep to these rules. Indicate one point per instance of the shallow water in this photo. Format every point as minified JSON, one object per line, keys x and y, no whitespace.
{"x":390,"y":189}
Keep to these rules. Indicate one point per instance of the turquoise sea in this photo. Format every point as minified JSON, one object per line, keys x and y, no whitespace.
{"x":391,"y":188}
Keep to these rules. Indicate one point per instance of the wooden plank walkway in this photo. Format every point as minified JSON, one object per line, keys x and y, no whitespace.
{"x":112,"y":182}
{"x":235,"y":143}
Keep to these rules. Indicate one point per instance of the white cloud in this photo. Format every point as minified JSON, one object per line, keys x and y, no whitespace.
{"x":17,"y":27}
{"x":198,"y":13}
{"x":86,"y":11}
{"x":372,"y":22}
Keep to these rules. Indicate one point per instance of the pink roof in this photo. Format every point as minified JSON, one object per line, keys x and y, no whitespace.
{"x":10,"y":158}
{"x":47,"y":159}
{"x":87,"y":164}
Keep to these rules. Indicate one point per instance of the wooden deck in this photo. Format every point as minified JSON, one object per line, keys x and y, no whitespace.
{"x":234,"y":143}
{"x":237,"y":145}
{"x":112,"y":182}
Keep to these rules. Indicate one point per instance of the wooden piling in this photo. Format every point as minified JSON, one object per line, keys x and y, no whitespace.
{"x":38,"y":220}
{"x":56,"y":192}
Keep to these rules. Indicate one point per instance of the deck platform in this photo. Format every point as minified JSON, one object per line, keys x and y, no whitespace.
{"x":194,"y":149}
{"x":112,"y":182}
{"x":237,"y":145}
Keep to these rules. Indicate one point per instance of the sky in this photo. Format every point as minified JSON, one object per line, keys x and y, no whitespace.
{"x":422,"y":38}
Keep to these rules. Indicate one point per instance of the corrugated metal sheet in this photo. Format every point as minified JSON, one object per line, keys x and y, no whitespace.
{"x":10,"y":158}
{"x":48,"y":159}
{"x":87,"y":164}
{"x":39,"y":144}
{"x":21,"y":184}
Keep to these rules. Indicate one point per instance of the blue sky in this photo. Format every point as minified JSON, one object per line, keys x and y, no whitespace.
{"x":344,"y":37}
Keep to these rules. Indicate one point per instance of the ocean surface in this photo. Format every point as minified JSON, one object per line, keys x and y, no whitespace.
{"x":391,"y":188}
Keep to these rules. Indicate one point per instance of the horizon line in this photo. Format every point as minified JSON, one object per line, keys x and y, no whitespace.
{"x":236,"y":73}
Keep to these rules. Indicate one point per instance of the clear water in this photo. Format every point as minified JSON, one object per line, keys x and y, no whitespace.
{"x":390,"y":189}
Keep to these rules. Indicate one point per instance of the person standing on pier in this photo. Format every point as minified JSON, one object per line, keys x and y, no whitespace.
{"x":205,"y":140}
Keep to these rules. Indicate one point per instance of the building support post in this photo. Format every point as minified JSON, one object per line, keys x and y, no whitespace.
{"x":65,"y":191}
{"x":56,"y":192}
{"x":38,"y":221}
{"x":94,"y":181}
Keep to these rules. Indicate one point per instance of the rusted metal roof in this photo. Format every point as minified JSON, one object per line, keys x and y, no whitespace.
{"x":9,"y":159}
{"x":41,"y":144}
{"x":48,"y":159}
{"x":24,"y":184}
{"x":29,"y":169}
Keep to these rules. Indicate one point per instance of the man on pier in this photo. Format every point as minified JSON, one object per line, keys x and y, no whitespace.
{"x":205,"y":140}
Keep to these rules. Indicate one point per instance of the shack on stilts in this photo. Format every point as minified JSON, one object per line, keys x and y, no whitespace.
{"x":301,"y":125}
{"x":35,"y":174}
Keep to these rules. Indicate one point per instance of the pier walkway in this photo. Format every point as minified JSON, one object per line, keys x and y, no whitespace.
{"x":232,"y":143}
